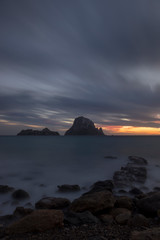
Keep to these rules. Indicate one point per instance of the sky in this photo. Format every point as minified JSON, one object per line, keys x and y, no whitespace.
{"x":60,"y":59}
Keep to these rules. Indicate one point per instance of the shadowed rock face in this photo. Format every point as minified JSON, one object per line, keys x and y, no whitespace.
{"x":84,"y":126}
{"x":44,"y":132}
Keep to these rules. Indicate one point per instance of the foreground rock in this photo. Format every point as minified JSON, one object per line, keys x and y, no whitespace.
{"x":20,"y":194}
{"x":44,"y":132}
{"x":84,"y":126}
{"x":80,"y":218}
{"x":38,"y":221}
{"x":68,"y":188}
{"x":99,"y":186}
{"x":52,"y":203}
{"x":138,"y":160}
{"x":93,"y":202}
{"x":149,"y":205}
{"x":5,"y":189}
{"x":150,"y":234}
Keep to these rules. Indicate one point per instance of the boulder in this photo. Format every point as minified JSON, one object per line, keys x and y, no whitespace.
{"x":93,"y":202}
{"x":52,"y":203}
{"x":138,"y":220}
{"x":152,"y":234}
{"x":117,"y":211}
{"x":38,"y":221}
{"x":84,"y":126}
{"x":20,"y":194}
{"x":135,"y":191}
{"x":138,"y":160}
{"x":106,"y":218}
{"x":22,"y":212}
{"x":68,"y":188}
{"x":99,"y":186}
{"x":123,"y":218}
{"x":5,"y":189}
{"x":149,"y":205}
{"x":124,"y":202}
{"x":80,"y":218}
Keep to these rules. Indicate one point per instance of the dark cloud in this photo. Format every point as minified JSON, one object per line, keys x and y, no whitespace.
{"x":61,"y":59}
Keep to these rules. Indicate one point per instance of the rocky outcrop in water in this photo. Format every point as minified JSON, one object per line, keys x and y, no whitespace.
{"x":84,"y":126}
{"x":43,"y":132}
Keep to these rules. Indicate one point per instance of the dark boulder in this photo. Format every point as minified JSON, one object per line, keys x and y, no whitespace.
{"x":52,"y":203}
{"x":43,"y":132}
{"x":68,"y":188}
{"x":84,"y":126}
{"x":80,"y":218}
{"x":5,"y":189}
{"x":20,"y":212}
{"x":135,"y":191}
{"x":20,"y":194}
{"x":101,"y":186}
{"x":138,"y":160}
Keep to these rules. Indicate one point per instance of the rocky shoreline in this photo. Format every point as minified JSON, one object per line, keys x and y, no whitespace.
{"x":111,"y":209}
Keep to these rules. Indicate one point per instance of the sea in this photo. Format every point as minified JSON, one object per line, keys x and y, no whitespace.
{"x":38,"y":164}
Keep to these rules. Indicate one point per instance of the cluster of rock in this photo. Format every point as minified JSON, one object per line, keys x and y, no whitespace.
{"x":81,"y":126}
{"x":100,"y":205}
{"x":43,"y":132}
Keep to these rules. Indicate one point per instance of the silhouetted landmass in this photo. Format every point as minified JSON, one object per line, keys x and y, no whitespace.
{"x":44,"y":132}
{"x":84,"y":126}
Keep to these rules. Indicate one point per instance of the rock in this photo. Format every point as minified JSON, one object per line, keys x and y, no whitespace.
{"x":123,"y":218}
{"x":124,"y":202}
{"x":135,"y":191}
{"x":38,"y":221}
{"x":5,"y":189}
{"x":129,"y":175}
{"x":157,"y":189}
{"x":99,"y":186}
{"x":117,"y":211}
{"x":52,"y":203}
{"x":21,"y":212}
{"x":150,"y":234}
{"x":84,"y":126}
{"x":106,"y":218}
{"x":122,"y":191}
{"x":80,"y":218}
{"x":68,"y":188}
{"x":138,"y":220}
{"x":93,"y":202}
{"x":44,"y":132}
{"x":20,"y":194}
{"x":138,"y":160}
{"x":149,"y":205}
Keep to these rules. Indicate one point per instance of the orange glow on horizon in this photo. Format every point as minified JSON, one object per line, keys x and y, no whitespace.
{"x":131,"y":130}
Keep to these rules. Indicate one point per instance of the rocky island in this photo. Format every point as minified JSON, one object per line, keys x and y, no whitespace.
{"x":43,"y":132}
{"x":84,"y":126}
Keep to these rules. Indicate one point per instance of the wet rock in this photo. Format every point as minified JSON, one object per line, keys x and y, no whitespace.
{"x":80,"y":218}
{"x":106,"y":218}
{"x":157,"y":189}
{"x":117,"y":211}
{"x":135,"y":191}
{"x":20,"y":194}
{"x":122,"y":191}
{"x":123,"y":218}
{"x":68,"y":188}
{"x":5,"y":189}
{"x":106,"y":185}
{"x":138,"y":160}
{"x":124,"y":202}
{"x":149,"y":205}
{"x":138,"y":220}
{"x":21,"y":212}
{"x":93,"y":202}
{"x":129,"y":175}
{"x":52,"y":203}
{"x":152,"y":234}
{"x":38,"y":221}
{"x":84,"y":126}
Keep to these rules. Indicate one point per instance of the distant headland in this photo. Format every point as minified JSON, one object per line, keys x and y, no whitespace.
{"x":81,"y":126}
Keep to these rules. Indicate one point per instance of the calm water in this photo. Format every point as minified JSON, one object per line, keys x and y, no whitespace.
{"x":39,"y":164}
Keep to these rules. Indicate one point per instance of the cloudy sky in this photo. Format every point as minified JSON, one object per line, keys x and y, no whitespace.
{"x":60,"y":59}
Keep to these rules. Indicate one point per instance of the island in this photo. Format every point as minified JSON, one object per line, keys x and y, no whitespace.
{"x":84,"y":126}
{"x":43,"y":132}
